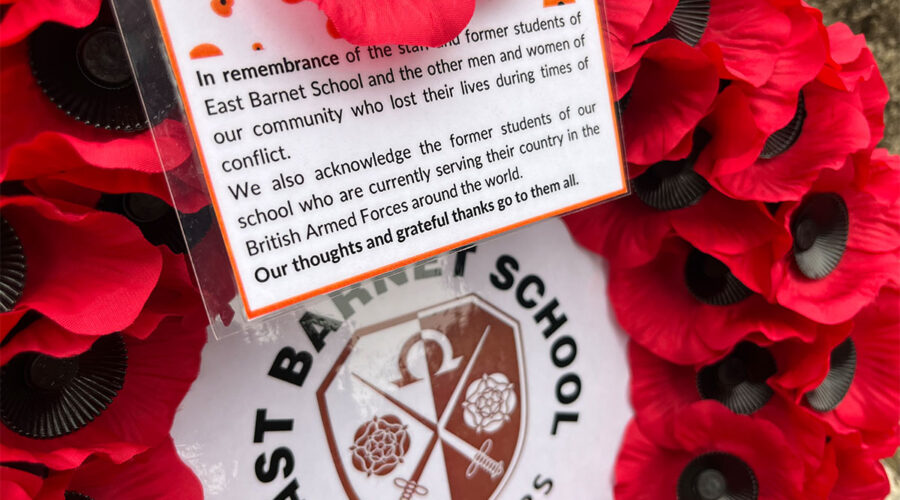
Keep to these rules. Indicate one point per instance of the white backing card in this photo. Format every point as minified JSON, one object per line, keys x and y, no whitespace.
{"x":496,"y":373}
{"x":329,"y":163}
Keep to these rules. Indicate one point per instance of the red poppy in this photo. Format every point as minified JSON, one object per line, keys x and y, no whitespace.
{"x":431,"y":23}
{"x":44,"y":147}
{"x":88,"y":271}
{"x":24,"y":16}
{"x":740,"y":381}
{"x":630,"y":233}
{"x":860,"y":393}
{"x":687,"y":307}
{"x":657,"y":123}
{"x":134,"y":387}
{"x":157,"y":474}
{"x":830,"y":125}
{"x":845,"y":248}
{"x":713,"y":451}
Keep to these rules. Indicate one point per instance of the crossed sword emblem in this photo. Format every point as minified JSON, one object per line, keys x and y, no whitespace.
{"x":480,"y":460}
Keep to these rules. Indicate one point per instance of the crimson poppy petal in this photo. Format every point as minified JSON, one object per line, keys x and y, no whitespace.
{"x":719,"y":224}
{"x":879,"y":175}
{"x":670,"y":330}
{"x":174,"y":295}
{"x":46,"y":337}
{"x":26,"y":15}
{"x":799,"y":61}
{"x":736,"y":140}
{"x":645,"y":471}
{"x":157,"y":474}
{"x":623,"y":20}
{"x":658,"y":120}
{"x":626,"y":231}
{"x":746,"y":36}
{"x":860,"y":475}
{"x":431,"y":23}
{"x":659,"y":389}
{"x":90,"y":272}
{"x":848,"y":51}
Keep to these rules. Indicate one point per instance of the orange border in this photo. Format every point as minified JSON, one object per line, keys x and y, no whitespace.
{"x":255,"y":313}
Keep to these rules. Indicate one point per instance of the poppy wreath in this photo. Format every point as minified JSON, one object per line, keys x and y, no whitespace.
{"x":755,"y":266}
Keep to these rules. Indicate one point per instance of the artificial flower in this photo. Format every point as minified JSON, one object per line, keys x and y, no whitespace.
{"x":860,"y":393}
{"x":116,"y":400}
{"x":829,"y":126}
{"x":713,"y":451}
{"x":687,"y":306}
{"x":630,"y":233}
{"x":740,"y":381}
{"x":845,"y":249}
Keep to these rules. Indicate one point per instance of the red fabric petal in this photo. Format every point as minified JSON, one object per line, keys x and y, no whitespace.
{"x":26,"y":15}
{"x":658,"y":119}
{"x":653,"y":305}
{"x":158,"y":474}
{"x":736,"y":141}
{"x":429,"y":22}
{"x":879,"y":175}
{"x":721,"y":225}
{"x":160,"y":372}
{"x":174,"y":295}
{"x":623,"y":20}
{"x":91,"y":273}
{"x":847,"y":51}
{"x":626,"y":231}
{"x":799,"y":61}
{"x":645,"y":471}
{"x":46,"y":337}
{"x":659,"y":14}
{"x":659,"y":389}
{"x":860,"y":475}
{"x":745,"y":37}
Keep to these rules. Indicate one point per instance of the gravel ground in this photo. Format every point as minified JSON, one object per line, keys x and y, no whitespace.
{"x":879,"y":20}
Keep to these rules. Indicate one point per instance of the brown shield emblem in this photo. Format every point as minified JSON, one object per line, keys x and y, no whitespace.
{"x":428,"y":405}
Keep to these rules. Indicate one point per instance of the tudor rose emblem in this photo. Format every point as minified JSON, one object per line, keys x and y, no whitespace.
{"x":428,"y":405}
